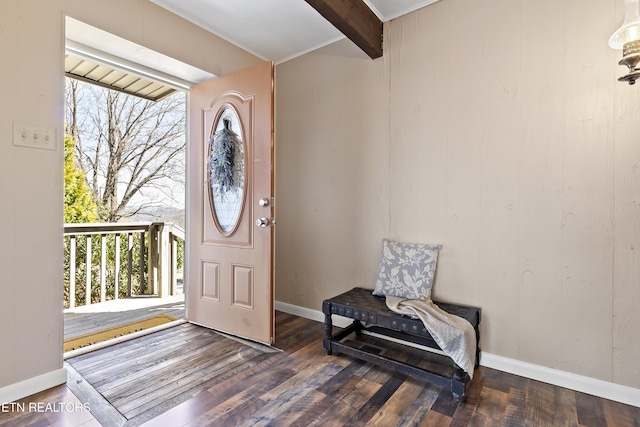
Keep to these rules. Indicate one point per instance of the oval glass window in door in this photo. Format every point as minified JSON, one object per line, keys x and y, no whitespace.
{"x":226,"y":164}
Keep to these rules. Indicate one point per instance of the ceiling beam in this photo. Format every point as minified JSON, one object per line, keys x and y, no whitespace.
{"x":355,"y":20}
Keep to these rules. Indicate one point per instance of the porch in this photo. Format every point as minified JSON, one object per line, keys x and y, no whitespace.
{"x":110,"y":314}
{"x":121,"y":274}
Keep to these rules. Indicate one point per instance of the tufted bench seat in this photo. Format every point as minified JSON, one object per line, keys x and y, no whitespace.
{"x":371,"y":316}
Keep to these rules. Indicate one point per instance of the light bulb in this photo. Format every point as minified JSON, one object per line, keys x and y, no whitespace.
{"x":627,"y":38}
{"x":630,"y":28}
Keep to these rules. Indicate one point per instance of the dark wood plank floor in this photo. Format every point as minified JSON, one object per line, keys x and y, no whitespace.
{"x":145,"y":377}
{"x":301,"y":386}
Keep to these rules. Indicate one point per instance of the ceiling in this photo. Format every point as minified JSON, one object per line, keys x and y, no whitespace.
{"x":276,"y":30}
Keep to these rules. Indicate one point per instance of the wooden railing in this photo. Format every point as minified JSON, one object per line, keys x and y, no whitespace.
{"x":111,"y":261}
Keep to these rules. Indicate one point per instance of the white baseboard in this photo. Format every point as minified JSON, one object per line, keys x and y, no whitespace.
{"x":34,"y":385}
{"x":307,"y":313}
{"x":604,"y":389}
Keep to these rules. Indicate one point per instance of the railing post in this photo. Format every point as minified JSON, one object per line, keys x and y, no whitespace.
{"x":176,"y":234}
{"x":88,"y":273}
{"x":129,"y":264}
{"x":103,"y":267}
{"x":174,"y":264}
{"x":72,"y":271}
{"x":164,"y":259}
{"x":116,"y":272}
{"x":152,"y":259}
{"x":143,"y":285}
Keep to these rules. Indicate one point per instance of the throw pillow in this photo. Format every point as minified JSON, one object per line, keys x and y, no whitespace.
{"x":406,"y":269}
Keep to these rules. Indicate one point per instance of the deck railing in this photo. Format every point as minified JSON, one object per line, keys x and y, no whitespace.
{"x":111,"y":261}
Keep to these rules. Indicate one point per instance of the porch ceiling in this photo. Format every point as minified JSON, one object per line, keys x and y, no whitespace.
{"x":114,"y":76}
{"x":105,"y":59}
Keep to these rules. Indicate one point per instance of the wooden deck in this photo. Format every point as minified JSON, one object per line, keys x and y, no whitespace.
{"x":97,"y":317}
{"x":302,"y":386}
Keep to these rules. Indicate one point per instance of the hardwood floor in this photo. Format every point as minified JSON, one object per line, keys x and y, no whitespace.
{"x":301,"y":386}
{"x":135,"y":381}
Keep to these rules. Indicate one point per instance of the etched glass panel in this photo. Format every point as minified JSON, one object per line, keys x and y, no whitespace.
{"x":226,"y":170}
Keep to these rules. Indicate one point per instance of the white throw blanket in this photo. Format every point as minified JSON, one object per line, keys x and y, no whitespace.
{"x":455,"y":335}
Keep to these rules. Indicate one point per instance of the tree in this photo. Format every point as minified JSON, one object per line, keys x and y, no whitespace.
{"x":130,"y":149}
{"x":79,"y":206}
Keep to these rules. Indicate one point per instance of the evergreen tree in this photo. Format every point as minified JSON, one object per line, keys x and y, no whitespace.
{"x":79,"y":206}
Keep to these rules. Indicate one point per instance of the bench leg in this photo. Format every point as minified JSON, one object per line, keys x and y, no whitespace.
{"x":477,"y":347}
{"x":358,"y":327}
{"x":459,"y":382}
{"x":328,"y":330}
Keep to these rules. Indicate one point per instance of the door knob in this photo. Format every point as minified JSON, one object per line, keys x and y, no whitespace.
{"x":264,"y":202}
{"x":262,"y":222}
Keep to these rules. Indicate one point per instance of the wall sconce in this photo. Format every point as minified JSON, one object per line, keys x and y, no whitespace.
{"x":627,"y":38}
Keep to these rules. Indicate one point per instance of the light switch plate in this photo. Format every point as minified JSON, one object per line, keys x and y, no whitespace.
{"x":35,"y":137}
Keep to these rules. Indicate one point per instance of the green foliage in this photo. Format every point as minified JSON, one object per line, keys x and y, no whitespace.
{"x":129,"y":265}
{"x":180,"y":260}
{"x":79,"y":206}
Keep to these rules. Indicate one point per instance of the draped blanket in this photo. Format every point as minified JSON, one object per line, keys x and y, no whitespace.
{"x":455,"y":335}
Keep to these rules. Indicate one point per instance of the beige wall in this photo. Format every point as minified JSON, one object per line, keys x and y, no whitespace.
{"x":498,"y":129}
{"x":505,"y":138}
{"x":332,"y":165}
{"x":32,"y":50}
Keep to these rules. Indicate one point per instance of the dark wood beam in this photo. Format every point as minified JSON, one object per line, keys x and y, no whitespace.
{"x":355,"y":20}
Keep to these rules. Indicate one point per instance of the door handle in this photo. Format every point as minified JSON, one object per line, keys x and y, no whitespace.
{"x":264,"y":222}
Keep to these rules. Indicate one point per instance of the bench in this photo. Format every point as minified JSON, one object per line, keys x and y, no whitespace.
{"x":362,"y":306}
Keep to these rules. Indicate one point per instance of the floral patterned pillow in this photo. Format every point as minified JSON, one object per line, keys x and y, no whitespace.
{"x":406,"y":269}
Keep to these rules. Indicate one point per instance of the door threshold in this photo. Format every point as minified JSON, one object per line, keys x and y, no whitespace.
{"x":118,"y":340}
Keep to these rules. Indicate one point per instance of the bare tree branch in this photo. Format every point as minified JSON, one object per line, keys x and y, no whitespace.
{"x":128,"y":147}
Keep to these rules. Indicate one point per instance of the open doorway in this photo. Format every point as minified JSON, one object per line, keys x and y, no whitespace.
{"x":125,"y":172}
{"x":238,"y":277}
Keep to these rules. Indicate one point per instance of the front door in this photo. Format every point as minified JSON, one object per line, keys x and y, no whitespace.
{"x":230,"y":200}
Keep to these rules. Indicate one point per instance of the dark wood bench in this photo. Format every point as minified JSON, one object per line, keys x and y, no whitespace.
{"x":362,"y":306}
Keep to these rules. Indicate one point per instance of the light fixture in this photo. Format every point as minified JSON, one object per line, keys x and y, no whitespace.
{"x":627,"y":38}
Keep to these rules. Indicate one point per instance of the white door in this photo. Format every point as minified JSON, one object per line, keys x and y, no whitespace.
{"x":230,"y":196}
